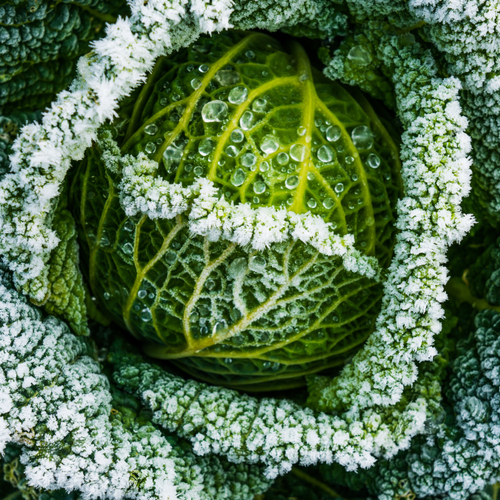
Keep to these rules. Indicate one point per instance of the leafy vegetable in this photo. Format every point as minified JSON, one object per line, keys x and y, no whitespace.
{"x":269,"y":131}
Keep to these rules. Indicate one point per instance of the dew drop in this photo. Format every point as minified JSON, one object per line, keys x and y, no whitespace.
{"x":325,"y":154}
{"x":354,"y":177}
{"x":194,"y":316}
{"x":259,"y":105}
{"x":214,"y":111}
{"x":259,"y":187}
{"x":298,"y":152}
{"x":142,"y":293}
{"x":257,"y":263}
{"x":150,"y":148}
{"x":250,"y":54}
{"x":163,"y":101}
{"x":238,"y":95}
{"x":359,"y":56}
{"x":256,"y":199}
{"x":203,"y":68}
{"x":292,"y":182}
{"x":311,"y":203}
{"x":226,"y":77}
{"x":266,"y":364}
{"x":339,"y":188}
{"x":248,"y":160}
{"x":350,"y":206}
{"x":269,"y":144}
{"x":264,"y":166}
{"x":221,"y":162}
{"x":349,"y":160}
{"x":373,"y":160}
{"x":238,"y":178}
{"x":228,"y":361}
{"x":237,"y":135}
{"x":328,"y":203}
{"x":362,"y":137}
{"x":106,"y":295}
{"x":210,"y":284}
{"x":275,"y":367}
{"x":198,"y":170}
{"x":232,"y":151}
{"x":170,"y":257}
{"x":247,"y":120}
{"x":196,"y":83}
{"x":128,"y":248}
{"x":237,"y":267}
{"x":188,"y":167}
{"x":282,"y":159}
{"x":206,"y":146}
{"x":151,"y":129}
{"x":146,"y":315}
{"x":301,"y":131}
{"x":129,"y":226}
{"x":310,"y":176}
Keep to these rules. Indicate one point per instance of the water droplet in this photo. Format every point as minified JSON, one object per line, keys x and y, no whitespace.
{"x":170,"y":257}
{"x":362,"y":137}
{"x":129,"y":226}
{"x":298,"y":152}
{"x":150,"y":148}
{"x":194,"y":316}
{"x":151,"y":129}
{"x":311,"y":203}
{"x":247,"y":120}
{"x":176,"y":97}
{"x":256,"y":199}
{"x":210,"y":284}
{"x":370,"y":221}
{"x":350,"y":205}
{"x":214,"y":111}
{"x":146,"y":314}
{"x":221,"y":162}
{"x":237,"y":135}
{"x":265,"y":73}
{"x":310,"y":176}
{"x":189,"y":68}
{"x":328,"y":203}
{"x":259,"y":187}
{"x":318,"y":121}
{"x":237,"y":267}
{"x":292,"y":182}
{"x":228,"y":361}
{"x":198,"y":170}
{"x":206,"y":146}
{"x":264,"y":166}
{"x":325,"y":154}
{"x":339,"y":188}
{"x":238,"y":95}
{"x":257,"y":263}
{"x":164,"y":101}
{"x":203,"y":68}
{"x":250,"y":54}
{"x":266,"y":364}
{"x":335,"y":319}
{"x":259,"y":105}
{"x":387,"y":177}
{"x":359,"y":56}
{"x":301,"y":131}
{"x":196,"y":83}
{"x":248,"y":160}
{"x":354,"y":177}
{"x":282,"y":159}
{"x":238,"y":178}
{"x":269,"y":144}
{"x":203,"y":330}
{"x":232,"y":151}
{"x":349,"y":160}
{"x":373,"y":160}
{"x":227,"y":77}
{"x":188,"y":167}
{"x":275,"y":367}
{"x":128,"y":248}
{"x":142,"y":293}
{"x":171,"y":156}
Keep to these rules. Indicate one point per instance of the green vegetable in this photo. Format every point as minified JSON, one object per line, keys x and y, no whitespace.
{"x":251,"y":115}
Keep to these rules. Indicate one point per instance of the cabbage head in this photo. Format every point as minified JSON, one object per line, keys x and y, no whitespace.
{"x":252,"y":115}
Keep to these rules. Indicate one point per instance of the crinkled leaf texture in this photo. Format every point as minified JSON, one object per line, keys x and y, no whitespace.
{"x":253,"y":117}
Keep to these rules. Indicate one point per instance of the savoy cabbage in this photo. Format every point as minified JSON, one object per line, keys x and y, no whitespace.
{"x":234,"y":199}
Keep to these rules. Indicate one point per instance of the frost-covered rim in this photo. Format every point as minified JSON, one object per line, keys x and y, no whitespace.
{"x":411,"y":311}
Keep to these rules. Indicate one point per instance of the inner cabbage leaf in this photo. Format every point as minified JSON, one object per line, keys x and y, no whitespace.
{"x":253,"y":116}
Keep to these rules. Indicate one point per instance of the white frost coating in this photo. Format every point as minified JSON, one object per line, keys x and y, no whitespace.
{"x":43,"y":152}
{"x":436,"y":176}
{"x":142,"y":192}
